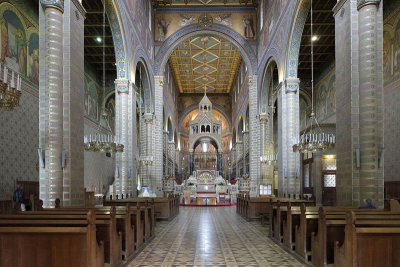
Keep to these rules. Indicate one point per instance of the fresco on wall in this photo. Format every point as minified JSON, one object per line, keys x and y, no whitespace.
{"x":91,"y":99}
{"x":19,"y":42}
{"x":110,"y":106}
{"x":271,"y":11}
{"x":391,"y":49}
{"x":244,"y":23}
{"x":325,"y":95}
{"x":304,"y":112}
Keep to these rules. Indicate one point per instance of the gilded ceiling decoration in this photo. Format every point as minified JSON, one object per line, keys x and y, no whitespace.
{"x":161,"y":3}
{"x":205,"y":62}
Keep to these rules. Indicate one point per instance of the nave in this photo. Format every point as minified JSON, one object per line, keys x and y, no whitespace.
{"x":205,"y":236}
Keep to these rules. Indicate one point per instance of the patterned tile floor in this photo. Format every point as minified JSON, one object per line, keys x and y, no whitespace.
{"x":207,"y":236}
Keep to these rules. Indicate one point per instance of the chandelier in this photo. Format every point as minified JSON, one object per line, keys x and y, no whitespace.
{"x":104,"y":143}
{"x":10,"y":93}
{"x":313,"y":139}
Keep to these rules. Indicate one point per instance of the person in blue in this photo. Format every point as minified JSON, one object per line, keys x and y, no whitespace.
{"x":19,"y":197}
{"x":368,"y":204}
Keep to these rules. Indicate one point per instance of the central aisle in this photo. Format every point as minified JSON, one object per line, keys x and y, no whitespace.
{"x":212,"y":236}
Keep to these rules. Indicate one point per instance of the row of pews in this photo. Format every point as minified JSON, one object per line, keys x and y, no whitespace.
{"x":110,"y":235}
{"x":337,"y":236}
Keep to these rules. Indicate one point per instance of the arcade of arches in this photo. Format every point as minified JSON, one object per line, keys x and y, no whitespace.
{"x":207,"y":99}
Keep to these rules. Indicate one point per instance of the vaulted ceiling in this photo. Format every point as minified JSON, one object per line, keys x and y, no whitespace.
{"x":205,"y":62}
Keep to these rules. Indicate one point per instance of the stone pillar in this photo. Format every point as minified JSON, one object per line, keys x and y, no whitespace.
{"x":51,"y":101}
{"x":239,"y":156}
{"x":254,"y":138}
{"x":132,"y":146}
{"x":263,"y":150}
{"x":245,"y":150}
{"x":371,"y":101}
{"x":165,"y":152}
{"x":359,"y":98}
{"x":171,"y":155}
{"x":158,"y":132}
{"x":73,"y":110}
{"x":148,"y":180}
{"x":288,"y":123}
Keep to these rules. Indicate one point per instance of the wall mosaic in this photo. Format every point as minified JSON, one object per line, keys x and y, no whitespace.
{"x":19,"y":42}
{"x":391,"y":48}
{"x":167,"y":23}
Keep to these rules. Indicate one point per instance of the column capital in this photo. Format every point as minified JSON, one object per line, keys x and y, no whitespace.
{"x":363,"y":3}
{"x":148,"y":118}
{"x":292,"y":85}
{"x":122,"y":85}
{"x":57,"y":4}
{"x":159,"y":79}
{"x":264,"y":118}
{"x":191,"y":151}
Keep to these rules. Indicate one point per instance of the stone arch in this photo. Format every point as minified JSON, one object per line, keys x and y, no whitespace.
{"x":193,"y":143}
{"x":235,"y":38}
{"x":265,"y":88}
{"x":141,"y":56}
{"x":143,"y":81}
{"x":118,"y":33}
{"x":299,"y":19}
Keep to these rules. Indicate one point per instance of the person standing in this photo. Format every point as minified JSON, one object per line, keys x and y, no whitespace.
{"x":19,"y":197}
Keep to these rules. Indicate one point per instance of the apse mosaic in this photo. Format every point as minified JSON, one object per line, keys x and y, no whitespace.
{"x":19,"y":42}
{"x":205,"y":63}
{"x":167,"y":23}
{"x":391,"y":48}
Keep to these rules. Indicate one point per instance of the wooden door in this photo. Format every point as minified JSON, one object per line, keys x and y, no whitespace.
{"x":328,"y":188}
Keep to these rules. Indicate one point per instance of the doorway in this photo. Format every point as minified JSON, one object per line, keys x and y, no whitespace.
{"x":328,"y":164}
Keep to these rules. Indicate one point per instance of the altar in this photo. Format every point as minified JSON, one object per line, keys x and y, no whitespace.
{"x":208,"y":200}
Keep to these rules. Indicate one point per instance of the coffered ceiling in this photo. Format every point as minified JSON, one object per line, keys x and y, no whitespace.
{"x":205,"y":62}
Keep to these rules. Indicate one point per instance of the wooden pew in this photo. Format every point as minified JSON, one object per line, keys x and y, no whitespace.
{"x":41,"y":245}
{"x":106,"y":227}
{"x":368,"y":245}
{"x":331,"y":229}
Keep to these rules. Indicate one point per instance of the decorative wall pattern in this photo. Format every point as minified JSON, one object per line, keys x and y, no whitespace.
{"x":19,"y":135}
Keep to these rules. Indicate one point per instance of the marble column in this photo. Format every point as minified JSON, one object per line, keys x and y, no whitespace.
{"x":171,"y":156}
{"x":51,"y":101}
{"x":288,"y":130}
{"x":165,"y":153}
{"x":371,"y":101}
{"x":219,"y":162}
{"x":148,"y":180}
{"x":263,"y":150}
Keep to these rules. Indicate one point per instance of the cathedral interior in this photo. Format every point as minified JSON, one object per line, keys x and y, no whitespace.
{"x":199,"y":132}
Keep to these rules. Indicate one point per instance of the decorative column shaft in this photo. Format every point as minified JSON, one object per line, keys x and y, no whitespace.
{"x":191,"y":162}
{"x":165,"y":153}
{"x":245,"y":150}
{"x":122,"y":131}
{"x":219,"y":163}
{"x":51,"y":100}
{"x":148,"y":180}
{"x":254,"y":138}
{"x":170,"y":157}
{"x":263,"y":123}
{"x":158,"y":131}
{"x":371,"y":102}
{"x":288,"y":117}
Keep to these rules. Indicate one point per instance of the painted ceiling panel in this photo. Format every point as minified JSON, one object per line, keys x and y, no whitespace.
{"x":205,"y":62}
{"x":204,"y":2}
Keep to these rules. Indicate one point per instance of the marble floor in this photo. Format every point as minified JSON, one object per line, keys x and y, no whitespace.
{"x":212,"y":236}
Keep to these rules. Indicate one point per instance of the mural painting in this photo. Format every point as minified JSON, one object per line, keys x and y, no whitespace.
{"x":244,"y":23}
{"x":19,"y":43}
{"x":325,"y":95}
{"x":271,"y":12}
{"x":391,"y":49}
{"x":91,"y":99}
